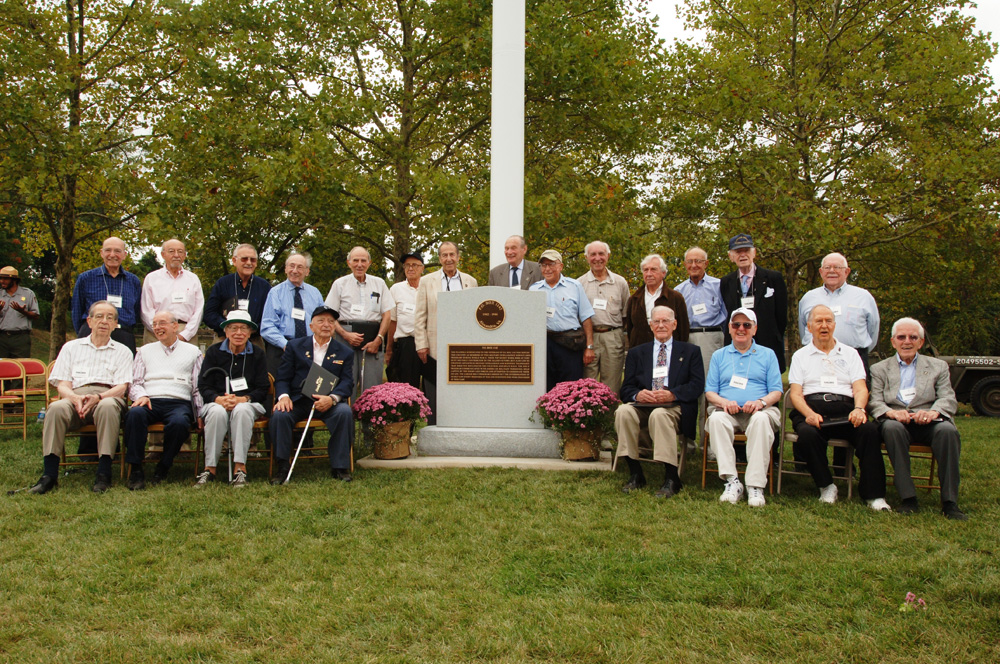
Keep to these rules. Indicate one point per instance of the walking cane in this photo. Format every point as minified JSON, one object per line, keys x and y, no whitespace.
{"x":301,"y":440}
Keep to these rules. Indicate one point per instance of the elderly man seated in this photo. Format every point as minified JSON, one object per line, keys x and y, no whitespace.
{"x":164,"y":389}
{"x":663,"y":381}
{"x":913,"y":401}
{"x":827,"y":388}
{"x":234,"y":385}
{"x":743,"y":389}
{"x":92,"y":375}
{"x":293,"y":405}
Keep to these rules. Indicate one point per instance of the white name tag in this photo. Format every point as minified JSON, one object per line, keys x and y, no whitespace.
{"x":908,"y":394}
{"x":518,"y":287}
{"x":699,"y":309}
{"x":79,"y":373}
{"x":828,"y":381}
{"x":239,"y":384}
{"x":181,"y":379}
{"x":835,"y":309}
{"x":550,"y":312}
{"x":739,"y":382}
{"x":178,"y":297}
{"x":115,"y":301}
{"x":601,"y":305}
{"x":357,"y":310}
{"x":747,"y":302}
{"x":660,"y":372}
{"x":408,"y":308}
{"x":299,"y":314}
{"x":243,"y":305}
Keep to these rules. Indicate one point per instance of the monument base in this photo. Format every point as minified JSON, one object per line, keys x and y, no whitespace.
{"x":488,"y":442}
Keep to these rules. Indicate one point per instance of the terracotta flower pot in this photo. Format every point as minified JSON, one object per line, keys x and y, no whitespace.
{"x":581,"y":445}
{"x":392,"y":441}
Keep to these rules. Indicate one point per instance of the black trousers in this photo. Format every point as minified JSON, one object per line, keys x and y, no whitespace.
{"x":405,"y":365}
{"x":428,"y":371}
{"x":813,"y":442}
{"x":561,"y":364}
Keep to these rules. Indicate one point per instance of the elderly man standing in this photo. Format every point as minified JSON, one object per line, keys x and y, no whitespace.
{"x":608,"y":294}
{"x":164,"y":389}
{"x":288,"y":308}
{"x":173,"y":289}
{"x":241,"y":290}
{"x":853,"y":308}
{"x":517,"y":272}
{"x":233,"y":384}
{"x":570,"y":342}
{"x":293,"y":406}
{"x":753,"y":287}
{"x":18,"y":307}
{"x":425,"y":324}
{"x":706,"y":311}
{"x":743,"y":390}
{"x":111,"y":283}
{"x":91,"y":374}
{"x":663,"y":381}
{"x":827,"y":388}
{"x":403,"y":365}
{"x":654,"y":293}
{"x":365,"y":306}
{"x":913,"y":401}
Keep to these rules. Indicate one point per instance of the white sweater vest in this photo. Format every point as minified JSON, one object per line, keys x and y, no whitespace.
{"x":169,"y":376}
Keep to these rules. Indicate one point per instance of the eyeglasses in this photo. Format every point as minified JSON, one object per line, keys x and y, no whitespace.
{"x":694,"y":261}
{"x":833,"y":268}
{"x":746,"y":325}
{"x":412,"y":266}
{"x":247,"y":259}
{"x":904,"y":337}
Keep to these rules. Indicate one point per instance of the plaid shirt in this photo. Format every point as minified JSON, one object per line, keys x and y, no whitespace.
{"x":96,"y":285}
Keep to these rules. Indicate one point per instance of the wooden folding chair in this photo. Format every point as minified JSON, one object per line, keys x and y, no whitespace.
{"x":787,"y":467}
{"x":13,"y":398}
{"x":924,"y":456}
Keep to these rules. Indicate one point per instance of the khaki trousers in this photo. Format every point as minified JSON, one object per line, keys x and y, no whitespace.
{"x":759,"y":429}
{"x":662,"y":424}
{"x":609,"y":363}
{"x":61,"y":417}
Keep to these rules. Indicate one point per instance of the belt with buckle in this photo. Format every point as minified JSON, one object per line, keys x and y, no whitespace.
{"x":605,"y":328}
{"x":826,"y":396}
{"x":716,"y":328}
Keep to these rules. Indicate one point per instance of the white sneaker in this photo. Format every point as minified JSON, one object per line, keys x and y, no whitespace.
{"x":204,"y":477}
{"x":755,"y":496}
{"x":828,"y":494}
{"x":879,"y":505}
{"x":733,"y":492}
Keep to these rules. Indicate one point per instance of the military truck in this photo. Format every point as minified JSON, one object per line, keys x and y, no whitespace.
{"x":976,"y":379}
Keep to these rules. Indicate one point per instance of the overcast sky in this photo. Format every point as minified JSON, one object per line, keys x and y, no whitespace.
{"x":987,"y":20}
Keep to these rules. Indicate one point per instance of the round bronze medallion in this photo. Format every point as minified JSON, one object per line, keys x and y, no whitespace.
{"x":490,"y":314}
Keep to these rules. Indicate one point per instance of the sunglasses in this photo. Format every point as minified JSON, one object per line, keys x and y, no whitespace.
{"x":904,"y":337}
{"x":737,"y":325}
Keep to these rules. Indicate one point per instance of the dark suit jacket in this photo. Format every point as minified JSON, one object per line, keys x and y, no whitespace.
{"x":772,"y":312}
{"x":500,"y":275}
{"x":637,"y":322}
{"x":297,"y":360}
{"x":686,"y":378}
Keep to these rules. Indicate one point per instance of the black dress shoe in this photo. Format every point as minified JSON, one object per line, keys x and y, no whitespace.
{"x":44,"y":485}
{"x":136,"y":481}
{"x":950,"y":510}
{"x":670,"y":488}
{"x":281,"y":469}
{"x":101,"y":483}
{"x":635,"y":482}
{"x":909,"y":506}
{"x":342,"y":475}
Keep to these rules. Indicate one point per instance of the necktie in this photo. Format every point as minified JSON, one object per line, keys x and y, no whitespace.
{"x":661,"y":361}
{"x":447,"y":283}
{"x":745,"y":279}
{"x":513,"y":279}
{"x":300,"y":324}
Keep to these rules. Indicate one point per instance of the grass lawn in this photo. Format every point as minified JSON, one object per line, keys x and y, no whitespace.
{"x":489,"y":565}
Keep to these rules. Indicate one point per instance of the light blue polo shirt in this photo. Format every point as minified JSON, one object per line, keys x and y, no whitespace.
{"x":759,"y":365}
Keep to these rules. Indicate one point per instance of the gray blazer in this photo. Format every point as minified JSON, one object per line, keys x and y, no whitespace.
{"x":500,"y":275}
{"x":934,"y":391}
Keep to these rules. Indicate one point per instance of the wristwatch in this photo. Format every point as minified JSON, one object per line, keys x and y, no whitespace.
{"x":591,"y":347}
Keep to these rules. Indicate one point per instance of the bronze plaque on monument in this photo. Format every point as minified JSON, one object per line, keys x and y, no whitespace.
{"x":490,"y":314}
{"x":497,"y":364}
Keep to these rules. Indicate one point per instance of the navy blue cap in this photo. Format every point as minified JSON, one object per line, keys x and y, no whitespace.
{"x":402,"y":259}
{"x":323,"y":309}
{"x":741,"y":241}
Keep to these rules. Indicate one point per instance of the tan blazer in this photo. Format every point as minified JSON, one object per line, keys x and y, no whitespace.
{"x":425,"y":319}
{"x":934,"y":391}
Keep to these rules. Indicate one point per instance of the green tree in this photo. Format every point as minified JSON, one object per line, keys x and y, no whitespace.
{"x":860,"y":126}
{"x":83,"y":82}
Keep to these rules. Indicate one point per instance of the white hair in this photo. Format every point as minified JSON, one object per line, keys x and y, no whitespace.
{"x":663,"y":307}
{"x":654,"y":257}
{"x":908,"y":321}
{"x":607,"y":247}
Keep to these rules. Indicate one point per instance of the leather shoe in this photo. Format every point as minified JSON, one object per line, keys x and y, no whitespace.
{"x":342,"y":475}
{"x":909,"y":506}
{"x":101,"y":483}
{"x":280,"y":473}
{"x":136,"y":481}
{"x":44,"y":485}
{"x":670,"y":488}
{"x":635,"y":482}
{"x":950,"y":510}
